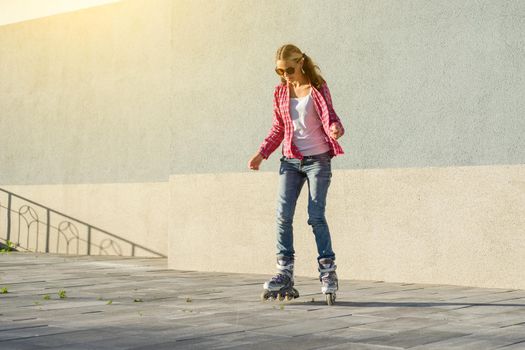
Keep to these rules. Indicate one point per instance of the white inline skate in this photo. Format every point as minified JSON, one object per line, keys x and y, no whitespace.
{"x":328,"y":278}
{"x":281,"y":286}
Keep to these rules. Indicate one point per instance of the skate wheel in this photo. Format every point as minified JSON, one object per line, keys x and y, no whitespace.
{"x":330,"y":299}
{"x":280,"y":296}
{"x":265,"y":295}
{"x":295,"y":293}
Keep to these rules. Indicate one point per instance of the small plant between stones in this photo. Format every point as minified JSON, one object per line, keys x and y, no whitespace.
{"x":4,"y":290}
{"x":8,"y":247}
{"x":62,"y":294}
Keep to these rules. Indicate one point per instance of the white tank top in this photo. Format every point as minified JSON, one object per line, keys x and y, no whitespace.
{"x":308,"y":133}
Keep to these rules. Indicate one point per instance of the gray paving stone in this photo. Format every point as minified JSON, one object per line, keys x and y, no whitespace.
{"x":62,"y":337}
{"x":357,"y":346}
{"x":353,"y":334}
{"x":300,"y":328}
{"x":470,"y":342}
{"x":412,"y":338}
{"x":28,"y":333}
{"x":355,"y":320}
{"x":242,"y":340}
{"x":194,"y":310}
{"x":516,"y":346}
{"x":298,"y":342}
{"x":401,"y":324}
{"x":23,"y":346}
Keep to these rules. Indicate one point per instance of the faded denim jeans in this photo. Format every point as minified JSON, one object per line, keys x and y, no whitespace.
{"x":316,"y":170}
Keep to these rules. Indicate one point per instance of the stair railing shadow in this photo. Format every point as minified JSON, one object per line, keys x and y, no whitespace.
{"x":31,"y":226}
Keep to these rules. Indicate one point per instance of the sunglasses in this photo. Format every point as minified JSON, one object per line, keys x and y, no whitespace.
{"x":289,"y":71}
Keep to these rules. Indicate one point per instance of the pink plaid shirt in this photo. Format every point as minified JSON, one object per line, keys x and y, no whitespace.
{"x":282,"y":127}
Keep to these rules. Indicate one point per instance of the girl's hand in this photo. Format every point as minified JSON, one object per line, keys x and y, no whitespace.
{"x":255,"y":162}
{"x":336,"y":131}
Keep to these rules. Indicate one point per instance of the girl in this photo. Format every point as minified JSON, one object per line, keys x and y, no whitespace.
{"x":304,"y":118}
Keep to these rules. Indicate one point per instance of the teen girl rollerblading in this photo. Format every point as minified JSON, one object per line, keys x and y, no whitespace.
{"x":305,"y":122}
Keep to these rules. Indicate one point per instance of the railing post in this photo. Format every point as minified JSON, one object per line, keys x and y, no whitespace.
{"x":8,"y":216}
{"x":48,"y":227}
{"x":89,"y":241}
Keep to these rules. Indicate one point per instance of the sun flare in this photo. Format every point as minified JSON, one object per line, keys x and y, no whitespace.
{"x":13,"y":11}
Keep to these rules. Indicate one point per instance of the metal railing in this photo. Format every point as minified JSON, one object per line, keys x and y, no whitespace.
{"x":31,"y":226}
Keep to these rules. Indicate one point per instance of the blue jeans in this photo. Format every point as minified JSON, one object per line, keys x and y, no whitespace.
{"x":317,"y":171}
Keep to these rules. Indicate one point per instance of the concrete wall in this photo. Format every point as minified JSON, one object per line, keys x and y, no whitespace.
{"x":134,"y":214}
{"x":417,"y":83}
{"x":85,"y":96}
{"x":431,"y":94}
{"x":85,"y":116}
{"x":450,"y":225}
{"x":167,"y":100}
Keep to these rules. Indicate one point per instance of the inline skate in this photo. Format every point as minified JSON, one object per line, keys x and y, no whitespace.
{"x":328,"y":278}
{"x":281,"y":286}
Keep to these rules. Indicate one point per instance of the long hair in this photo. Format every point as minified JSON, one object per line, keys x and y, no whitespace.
{"x":291,"y":52}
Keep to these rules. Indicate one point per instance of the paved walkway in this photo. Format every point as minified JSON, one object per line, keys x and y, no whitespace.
{"x":130,"y":303}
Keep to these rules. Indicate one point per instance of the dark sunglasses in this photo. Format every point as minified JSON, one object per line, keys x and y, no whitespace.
{"x":289,"y":71}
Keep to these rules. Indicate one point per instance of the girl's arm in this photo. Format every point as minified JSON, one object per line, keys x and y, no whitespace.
{"x":276,"y":134}
{"x":333,"y":118}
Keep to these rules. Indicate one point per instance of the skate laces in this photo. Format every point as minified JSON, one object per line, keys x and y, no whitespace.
{"x":327,"y":277}
{"x":327,"y":271}
{"x":280,"y":278}
{"x":286,"y":270}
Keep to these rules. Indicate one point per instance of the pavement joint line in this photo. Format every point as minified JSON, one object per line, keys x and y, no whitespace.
{"x":398,"y":291}
{"x":24,"y":319}
{"x":480,"y":295}
{"x":499,"y":301}
{"x":24,"y":327}
{"x":338,"y":316}
{"x":509,"y":345}
{"x":76,"y":286}
{"x":512,"y":325}
{"x":23,"y":282}
{"x":210,"y":335}
{"x":40,"y":336}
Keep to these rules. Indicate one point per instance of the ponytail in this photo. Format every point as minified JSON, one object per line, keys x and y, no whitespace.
{"x":312,"y":71}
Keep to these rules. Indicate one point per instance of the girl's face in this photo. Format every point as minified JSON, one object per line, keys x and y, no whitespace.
{"x":290,"y":70}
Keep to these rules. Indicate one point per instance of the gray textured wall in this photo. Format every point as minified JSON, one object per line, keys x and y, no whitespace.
{"x":85,"y":96}
{"x":138,"y":90}
{"x":417,"y":83}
